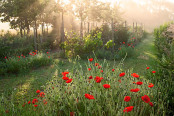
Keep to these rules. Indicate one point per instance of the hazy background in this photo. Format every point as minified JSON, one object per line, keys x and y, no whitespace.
{"x":151,"y":13}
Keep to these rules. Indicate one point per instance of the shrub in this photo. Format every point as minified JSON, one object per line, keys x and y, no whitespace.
{"x":16,"y":65}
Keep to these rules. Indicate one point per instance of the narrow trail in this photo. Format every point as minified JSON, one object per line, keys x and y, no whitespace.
{"x":144,"y":56}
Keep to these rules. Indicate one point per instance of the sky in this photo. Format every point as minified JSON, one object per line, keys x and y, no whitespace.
{"x":151,"y":13}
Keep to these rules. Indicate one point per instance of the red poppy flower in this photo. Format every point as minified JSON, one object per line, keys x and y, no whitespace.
{"x":123,"y":42}
{"x":44,"y":101}
{"x":90,"y":77}
{"x":65,"y":73}
{"x":29,"y":102}
{"x":69,"y":81}
{"x":6,"y":111}
{"x":151,"y":104}
{"x":35,"y":105}
{"x":98,"y":79}
{"x":96,"y":64}
{"x":153,"y":71}
{"x":145,"y":98}
{"x":139,"y":83}
{"x":65,"y":78}
{"x":42,"y":94}
{"x":101,"y":77}
{"x":5,"y":57}
{"x":89,"y":69}
{"x":99,"y":67}
{"x":47,"y":52}
{"x":23,"y":105}
{"x":106,"y":86}
{"x":91,"y":59}
{"x":71,"y":113}
{"x":150,"y":85}
{"x":135,"y":75}
{"x":24,"y":56}
{"x":116,"y":30}
{"x":122,"y":74}
{"x":113,"y":70}
{"x":127,"y":98}
{"x":119,"y":80}
{"x":34,"y":101}
{"x":52,"y":87}
{"x":128,"y":109}
{"x":101,"y":71}
{"x":135,"y":90}
{"x":147,"y":67}
{"x":38,"y":91}
{"x":133,"y":46}
{"x":89,"y":96}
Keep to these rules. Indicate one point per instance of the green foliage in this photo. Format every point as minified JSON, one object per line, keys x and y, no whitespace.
{"x":76,"y":46}
{"x":165,"y":66}
{"x":125,"y":51}
{"x":16,"y":65}
{"x":109,"y":44}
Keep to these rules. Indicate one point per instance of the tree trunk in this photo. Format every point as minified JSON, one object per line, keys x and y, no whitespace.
{"x":62,"y":29}
{"x":88,"y":27}
{"x":36,"y":28}
{"x":81,"y":28}
{"x":21,"y":29}
{"x":112,"y":25}
{"x":35,"y":44}
{"x":47,"y":29}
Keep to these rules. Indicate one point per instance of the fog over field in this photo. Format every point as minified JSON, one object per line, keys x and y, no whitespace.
{"x":151,"y":13}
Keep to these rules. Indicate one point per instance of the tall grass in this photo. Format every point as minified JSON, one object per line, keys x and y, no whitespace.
{"x":63,"y":98}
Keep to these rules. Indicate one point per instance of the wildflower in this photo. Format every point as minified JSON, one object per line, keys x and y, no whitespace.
{"x":122,"y":74}
{"x":151,"y":104}
{"x":29,"y":102}
{"x":44,"y":101}
{"x":106,"y":86}
{"x":88,"y":96}
{"x":89,"y":69}
{"x":42,"y":94}
{"x":101,"y":71}
{"x":99,"y":67}
{"x":135,"y":90}
{"x":147,"y":67}
{"x":153,"y":71}
{"x":69,"y":81}
{"x":65,"y":78}
{"x":98,"y":79}
{"x":90,"y":77}
{"x":96,"y":64}
{"x":52,"y":87}
{"x":135,"y":75}
{"x":123,"y":42}
{"x":139,"y":83}
{"x":116,"y":30}
{"x":128,"y":109}
{"x":150,"y":85}
{"x":145,"y":98}
{"x":71,"y":113}
{"x":119,"y":80}
{"x":48,"y":56}
{"x":23,"y":105}
{"x":65,"y":73}
{"x":47,"y":52}
{"x":113,"y":70}
{"x":38,"y":91}
{"x":35,"y":105}
{"x":34,"y":101}
{"x":127,"y":98}
{"x":5,"y":57}
{"x":91,"y":59}
{"x":6,"y":111}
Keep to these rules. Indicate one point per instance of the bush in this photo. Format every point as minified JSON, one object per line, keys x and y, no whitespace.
{"x":16,"y":65}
